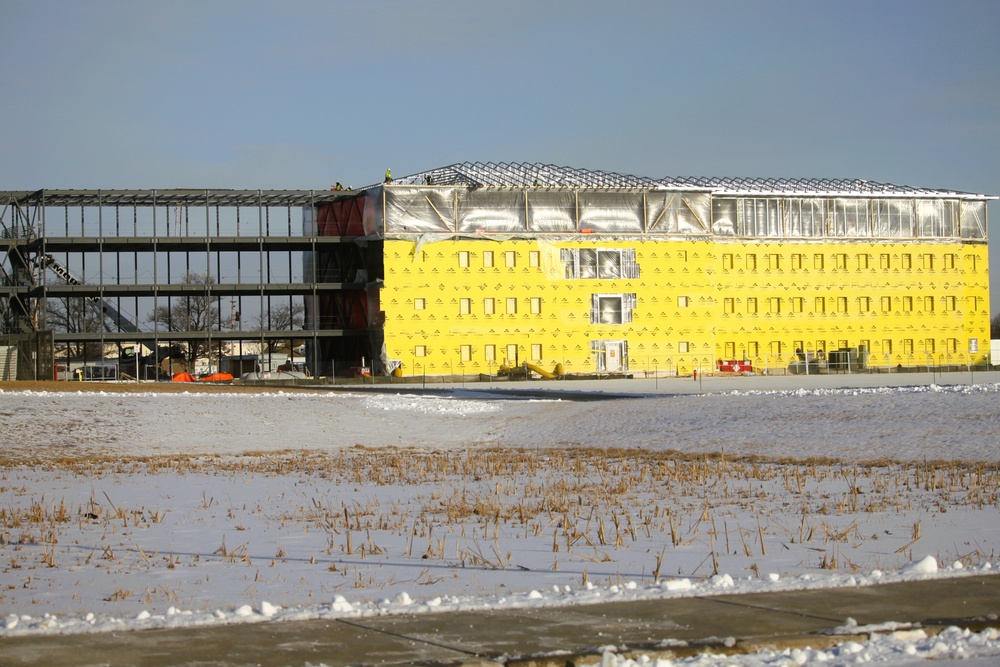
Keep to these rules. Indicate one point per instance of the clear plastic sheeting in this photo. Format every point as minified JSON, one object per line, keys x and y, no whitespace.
{"x":973,"y":220}
{"x":849,"y":218}
{"x":552,"y":210}
{"x":678,"y":212}
{"x":724,"y":216}
{"x":599,"y":263}
{"x":936,"y":218}
{"x":611,"y":211}
{"x":892,"y":218}
{"x":373,"y":215}
{"x":439,"y":209}
{"x":805,"y":217}
{"x":759,"y":217}
{"x":419,"y":210}
{"x":494,"y":210}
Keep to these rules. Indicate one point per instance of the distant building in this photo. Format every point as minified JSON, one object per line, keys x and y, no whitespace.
{"x":498,"y":264}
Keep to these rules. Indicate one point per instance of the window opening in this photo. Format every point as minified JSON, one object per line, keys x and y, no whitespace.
{"x":612,"y":308}
{"x":599,"y":263}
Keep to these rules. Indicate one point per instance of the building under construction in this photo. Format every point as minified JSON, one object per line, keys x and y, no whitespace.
{"x":473,"y":268}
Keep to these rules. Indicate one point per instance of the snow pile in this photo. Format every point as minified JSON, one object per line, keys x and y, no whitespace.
{"x":557,"y":596}
{"x":899,"y":647}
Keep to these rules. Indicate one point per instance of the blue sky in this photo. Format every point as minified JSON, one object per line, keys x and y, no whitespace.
{"x":300,"y":94}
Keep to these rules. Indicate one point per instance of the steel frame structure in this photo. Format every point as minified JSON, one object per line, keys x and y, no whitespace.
{"x":250,"y":243}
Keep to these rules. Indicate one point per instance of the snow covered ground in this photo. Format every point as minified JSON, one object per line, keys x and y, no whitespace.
{"x":137,"y":510}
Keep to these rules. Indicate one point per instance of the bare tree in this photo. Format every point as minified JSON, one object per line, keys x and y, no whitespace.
{"x":198,"y":312}
{"x":995,"y":327}
{"x":284,"y":316}
{"x":76,"y":315}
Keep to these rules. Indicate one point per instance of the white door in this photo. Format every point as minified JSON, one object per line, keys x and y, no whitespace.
{"x":613,"y":356}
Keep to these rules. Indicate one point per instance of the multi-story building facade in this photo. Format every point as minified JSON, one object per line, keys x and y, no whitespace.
{"x":491,"y":265}
{"x":467,"y":268}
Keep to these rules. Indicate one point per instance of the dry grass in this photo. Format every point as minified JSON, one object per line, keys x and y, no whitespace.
{"x":587,"y":505}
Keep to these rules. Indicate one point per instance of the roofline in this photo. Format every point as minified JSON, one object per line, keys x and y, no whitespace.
{"x":171,"y":197}
{"x":499,"y":175}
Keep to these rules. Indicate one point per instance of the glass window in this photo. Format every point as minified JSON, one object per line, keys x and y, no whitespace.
{"x":534,"y":259}
{"x":464,"y":306}
{"x":419,"y":304}
{"x":488,"y":258}
{"x":463,"y":259}
{"x":466,"y":351}
{"x":512,"y":305}
{"x":489,"y":305}
{"x":536,"y":305}
{"x":510,"y":259}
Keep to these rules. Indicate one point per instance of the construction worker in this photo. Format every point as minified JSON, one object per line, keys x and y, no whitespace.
{"x":338,"y":186}
{"x":388,"y":175}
